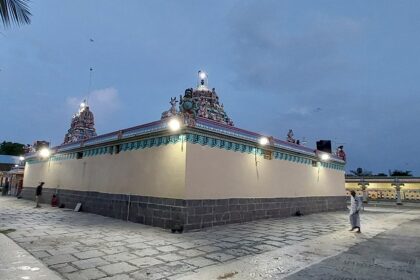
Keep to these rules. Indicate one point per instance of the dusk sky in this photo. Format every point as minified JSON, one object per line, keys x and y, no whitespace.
{"x":348,"y":71}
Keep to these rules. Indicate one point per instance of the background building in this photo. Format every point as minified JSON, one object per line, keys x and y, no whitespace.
{"x":384,"y":188}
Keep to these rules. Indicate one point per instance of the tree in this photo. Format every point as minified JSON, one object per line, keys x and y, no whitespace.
{"x":15,"y":11}
{"x":11,"y":149}
{"x":360,"y":172}
{"x":402,"y":173}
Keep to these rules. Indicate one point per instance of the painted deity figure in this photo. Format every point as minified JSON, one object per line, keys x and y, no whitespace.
{"x":340,"y":153}
{"x":290,"y":138}
{"x":173,"y":105}
{"x":172,"y":111}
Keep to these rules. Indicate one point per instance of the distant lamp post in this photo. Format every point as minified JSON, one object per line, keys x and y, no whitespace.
{"x":21,"y":160}
{"x":363,"y":185}
{"x":397,"y":185}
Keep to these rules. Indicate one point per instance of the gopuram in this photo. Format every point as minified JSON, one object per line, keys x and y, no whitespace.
{"x":82,"y":125}
{"x":199,"y":102}
{"x":189,"y":170}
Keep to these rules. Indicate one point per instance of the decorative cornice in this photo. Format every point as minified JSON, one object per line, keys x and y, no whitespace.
{"x":193,"y":138}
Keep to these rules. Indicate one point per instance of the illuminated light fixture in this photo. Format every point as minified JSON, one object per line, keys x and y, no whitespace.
{"x":264,"y":141}
{"x":174,"y":124}
{"x":325,"y":156}
{"x":202,"y":75}
{"x":16,"y":165}
{"x":44,"y":152}
{"x":21,"y":158}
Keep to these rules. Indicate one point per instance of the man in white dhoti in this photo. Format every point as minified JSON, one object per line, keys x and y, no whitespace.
{"x":355,"y":206}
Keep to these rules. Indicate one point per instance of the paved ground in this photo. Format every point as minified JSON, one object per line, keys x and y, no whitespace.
{"x":394,"y":254}
{"x":16,"y":263}
{"x":87,"y":246}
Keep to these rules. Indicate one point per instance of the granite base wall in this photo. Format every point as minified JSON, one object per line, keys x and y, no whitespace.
{"x":190,"y":214}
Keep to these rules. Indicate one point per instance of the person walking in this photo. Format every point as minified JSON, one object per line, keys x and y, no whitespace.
{"x":355,"y":206}
{"x":38,"y":194}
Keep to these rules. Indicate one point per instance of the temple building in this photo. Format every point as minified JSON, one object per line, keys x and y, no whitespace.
{"x":82,"y":125}
{"x":189,"y":170}
{"x":385,"y":188}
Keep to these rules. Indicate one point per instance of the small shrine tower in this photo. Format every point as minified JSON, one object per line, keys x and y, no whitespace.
{"x":199,"y":102}
{"x":82,"y":125}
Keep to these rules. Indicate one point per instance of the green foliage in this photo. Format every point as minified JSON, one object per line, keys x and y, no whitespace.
{"x":396,"y":172}
{"x":360,"y":172}
{"x":11,"y":149}
{"x":382,"y":174}
{"x":15,"y":11}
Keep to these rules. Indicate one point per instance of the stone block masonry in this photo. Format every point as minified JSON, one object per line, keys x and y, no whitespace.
{"x":194,"y":214}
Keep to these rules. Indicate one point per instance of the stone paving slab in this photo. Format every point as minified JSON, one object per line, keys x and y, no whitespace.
{"x":16,"y":263}
{"x":391,"y":255}
{"x":300,"y":261}
{"x":89,"y":246}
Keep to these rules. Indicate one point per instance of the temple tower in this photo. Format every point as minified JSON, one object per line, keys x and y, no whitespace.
{"x":82,"y":125}
{"x":199,"y":102}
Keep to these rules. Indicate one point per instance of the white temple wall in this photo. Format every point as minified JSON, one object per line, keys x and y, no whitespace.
{"x":156,"y":171}
{"x":188,"y":185}
{"x":214,"y":173}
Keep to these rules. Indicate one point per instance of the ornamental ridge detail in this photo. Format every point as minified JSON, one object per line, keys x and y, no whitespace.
{"x":199,"y":102}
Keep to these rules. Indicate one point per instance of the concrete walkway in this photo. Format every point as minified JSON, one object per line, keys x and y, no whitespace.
{"x":88,"y":246}
{"x":16,"y":263}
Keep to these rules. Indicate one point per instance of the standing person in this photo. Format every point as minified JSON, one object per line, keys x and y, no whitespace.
{"x":355,"y":207}
{"x":38,"y":194}
{"x":5,"y":189}
{"x":19,"y":189}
